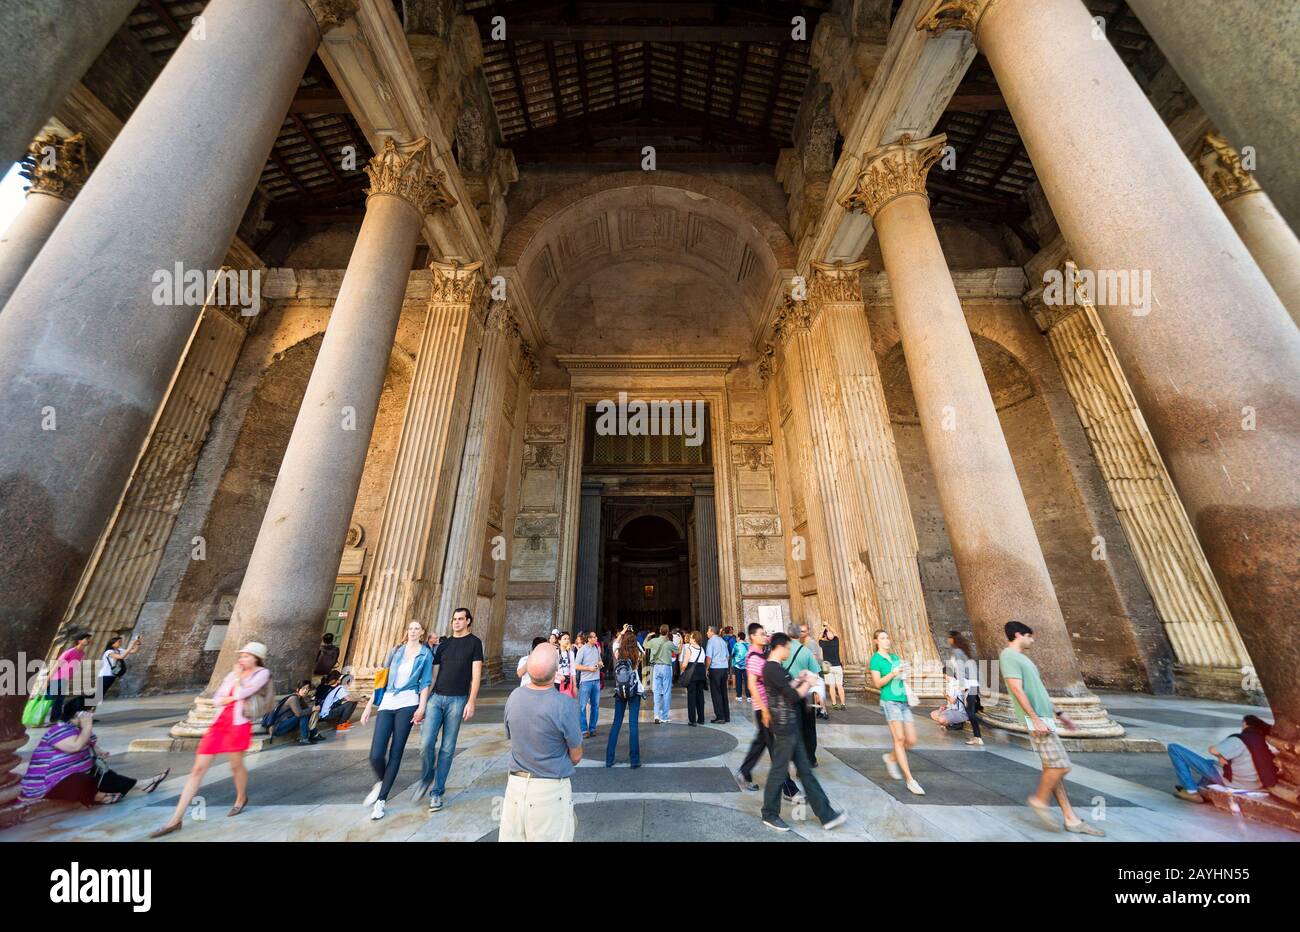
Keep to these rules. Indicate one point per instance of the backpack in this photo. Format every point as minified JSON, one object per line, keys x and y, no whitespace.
{"x":626,"y":683}
{"x":270,"y":718}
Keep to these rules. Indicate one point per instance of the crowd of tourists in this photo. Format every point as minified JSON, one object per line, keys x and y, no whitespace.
{"x":788,"y":682}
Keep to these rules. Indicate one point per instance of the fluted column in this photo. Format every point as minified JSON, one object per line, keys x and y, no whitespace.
{"x":422,"y":490}
{"x":586,"y":586}
{"x":706,"y":557}
{"x":45,"y":48}
{"x":999,"y":561}
{"x":1210,"y":656}
{"x":487,"y":423}
{"x":57,"y":167}
{"x":295,"y":560}
{"x":88,"y":351}
{"x":795,"y":359}
{"x":1212,"y":355}
{"x":1252,"y":214}
{"x":874,"y":498}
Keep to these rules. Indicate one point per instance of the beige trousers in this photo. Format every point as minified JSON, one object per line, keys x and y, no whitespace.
{"x":536,"y":809}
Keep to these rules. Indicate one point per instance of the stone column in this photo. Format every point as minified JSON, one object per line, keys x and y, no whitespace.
{"x":291,"y":572}
{"x":874,"y":497}
{"x":706,"y":561}
{"x":586,"y":596}
{"x":89,"y":352}
{"x":422,"y":490}
{"x":57,"y":167}
{"x":1252,"y":214}
{"x":1211,"y":353}
{"x":1239,"y":59}
{"x":487,"y":424}
{"x":1211,"y":660}
{"x":45,"y":48}
{"x":999,"y":562}
{"x":797,"y":368}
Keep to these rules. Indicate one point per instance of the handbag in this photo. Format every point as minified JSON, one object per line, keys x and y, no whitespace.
{"x":695,"y":671}
{"x":259,"y":703}
{"x":912,"y":698}
{"x":37,"y":710}
{"x":381,"y":678}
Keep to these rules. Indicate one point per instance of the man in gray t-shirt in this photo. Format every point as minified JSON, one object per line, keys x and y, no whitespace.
{"x":545,"y":744}
{"x":588,"y":664}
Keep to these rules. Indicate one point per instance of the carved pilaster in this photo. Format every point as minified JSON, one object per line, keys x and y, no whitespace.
{"x":837,"y":282}
{"x":1221,"y":167}
{"x":57,"y":165}
{"x":405,"y":169}
{"x":457,"y":283}
{"x":893,"y":171}
{"x":942,"y":15}
{"x":331,"y":13}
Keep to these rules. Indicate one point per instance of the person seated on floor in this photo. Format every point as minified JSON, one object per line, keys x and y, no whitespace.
{"x":336,"y":707}
{"x":68,"y":765}
{"x":1242,"y":761}
{"x":952,"y":715}
{"x":327,"y":683}
{"x":297,"y":711}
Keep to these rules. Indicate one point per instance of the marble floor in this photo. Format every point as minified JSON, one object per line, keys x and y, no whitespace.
{"x":683,"y":792}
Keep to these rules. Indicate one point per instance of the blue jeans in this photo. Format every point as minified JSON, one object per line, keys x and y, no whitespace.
{"x":1192,"y":769}
{"x":663,"y":688}
{"x":633,"y":708}
{"x":588,"y":698}
{"x":289,"y":723}
{"x":443,"y":713}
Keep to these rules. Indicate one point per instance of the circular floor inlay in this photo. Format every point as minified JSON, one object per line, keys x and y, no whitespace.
{"x":666,"y":820}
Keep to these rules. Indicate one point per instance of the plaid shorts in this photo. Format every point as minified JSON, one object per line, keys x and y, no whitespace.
{"x":1050,"y":749}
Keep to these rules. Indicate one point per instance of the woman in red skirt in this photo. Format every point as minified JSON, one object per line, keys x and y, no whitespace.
{"x":231,"y":733}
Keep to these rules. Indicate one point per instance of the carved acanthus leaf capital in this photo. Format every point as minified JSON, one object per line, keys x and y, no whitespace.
{"x":767,"y":362}
{"x":406,"y":170}
{"x":942,"y":15}
{"x":1222,"y":170}
{"x":57,"y":165}
{"x":456,"y":283}
{"x":502,"y":319}
{"x":528,"y":365}
{"x":837,"y":282}
{"x":795,"y":316}
{"x":892,"y":171}
{"x":331,"y":13}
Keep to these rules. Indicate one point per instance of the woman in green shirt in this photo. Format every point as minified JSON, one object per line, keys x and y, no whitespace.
{"x":888,"y":671}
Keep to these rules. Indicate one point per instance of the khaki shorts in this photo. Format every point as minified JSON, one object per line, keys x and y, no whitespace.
{"x":536,"y":809}
{"x":1051,"y":750}
{"x":834,"y":676}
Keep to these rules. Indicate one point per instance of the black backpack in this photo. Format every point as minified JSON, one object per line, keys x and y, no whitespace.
{"x":627,"y":684}
{"x":270,"y":719}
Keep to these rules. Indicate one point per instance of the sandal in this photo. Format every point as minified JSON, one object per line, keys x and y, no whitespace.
{"x":153,"y":784}
{"x":112,"y":798}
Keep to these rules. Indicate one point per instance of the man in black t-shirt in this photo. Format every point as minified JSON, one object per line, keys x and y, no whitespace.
{"x":783,"y":716}
{"x":459,"y":660}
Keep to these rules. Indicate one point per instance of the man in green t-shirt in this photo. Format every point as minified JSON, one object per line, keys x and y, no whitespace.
{"x":660,"y":652}
{"x":1033,"y":706}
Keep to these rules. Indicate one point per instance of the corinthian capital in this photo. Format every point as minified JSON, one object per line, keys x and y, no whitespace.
{"x":1221,"y":167}
{"x":892,"y":171}
{"x":56,"y":165}
{"x":795,"y":316}
{"x":404,"y":170}
{"x":455,"y":283}
{"x":942,"y":15}
{"x":837,"y":282}
{"x":502,"y":319}
{"x":528,"y":365}
{"x":331,"y":13}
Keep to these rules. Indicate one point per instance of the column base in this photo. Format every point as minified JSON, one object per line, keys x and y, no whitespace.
{"x":1089,"y":715}
{"x":202,"y":714}
{"x":1225,"y":684}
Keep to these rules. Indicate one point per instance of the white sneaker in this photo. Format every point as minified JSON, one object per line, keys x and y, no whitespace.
{"x":836,"y":821}
{"x":373,"y":796}
{"x":892,"y":766}
{"x":915,"y":788}
{"x":975,"y":742}
{"x":377,"y":811}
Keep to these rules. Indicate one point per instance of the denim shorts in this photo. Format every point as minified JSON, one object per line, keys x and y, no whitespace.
{"x":895,"y":711}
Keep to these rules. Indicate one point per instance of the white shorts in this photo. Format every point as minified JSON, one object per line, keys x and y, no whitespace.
{"x":834,"y":676}
{"x":537,"y":810}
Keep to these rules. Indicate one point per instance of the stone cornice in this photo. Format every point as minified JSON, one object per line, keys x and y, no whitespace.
{"x":942,"y":15}
{"x":331,"y":14}
{"x":892,"y":171}
{"x":997,"y":284}
{"x":404,"y":170}
{"x":456,"y":283}
{"x":1220,"y":166}
{"x":710,"y":362}
{"x":57,"y":165}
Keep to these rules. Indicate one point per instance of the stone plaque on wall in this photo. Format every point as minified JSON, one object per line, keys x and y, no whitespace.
{"x":538,"y":492}
{"x":534,"y":559}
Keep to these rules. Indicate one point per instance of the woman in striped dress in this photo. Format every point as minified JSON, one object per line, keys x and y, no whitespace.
{"x":66,"y":764}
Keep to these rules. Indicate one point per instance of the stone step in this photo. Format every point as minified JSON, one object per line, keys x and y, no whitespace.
{"x":1268,"y":809}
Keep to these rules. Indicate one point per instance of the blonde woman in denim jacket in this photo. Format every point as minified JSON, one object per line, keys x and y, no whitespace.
{"x":410,"y":674}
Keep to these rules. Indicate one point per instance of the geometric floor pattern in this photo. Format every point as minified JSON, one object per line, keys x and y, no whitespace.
{"x":683,"y":791}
